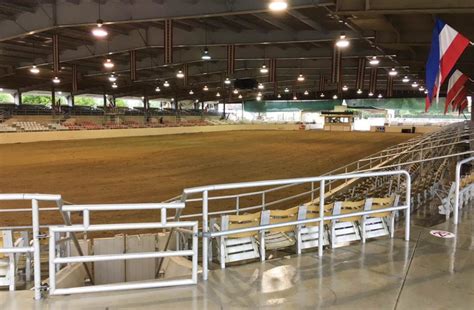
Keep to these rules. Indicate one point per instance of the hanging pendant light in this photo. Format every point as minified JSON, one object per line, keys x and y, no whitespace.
{"x":166,"y":84}
{"x":264,"y":69}
{"x":34,"y":70}
{"x":342,"y":42}
{"x":405,"y":79}
{"x":157,"y":89}
{"x":260,"y":86}
{"x":112,"y":78}
{"x":306,"y":93}
{"x":205,"y":54}
{"x":393,"y":72}
{"x":334,"y":97}
{"x":205,"y":88}
{"x":359,"y":91}
{"x":345,"y":88}
{"x":227,"y":81}
{"x":191,"y":92}
{"x":414,"y":84}
{"x":114,"y":85}
{"x":108,"y":64}
{"x":259,"y":98}
{"x":374,"y":61}
{"x":278,"y":96}
{"x":56,"y":80}
{"x":322,"y":95}
{"x":295,"y":98}
{"x":379,"y":96}
{"x":371,"y":94}
{"x":180,"y":74}
{"x":300,"y":78}
{"x":218,"y":94}
{"x":278,"y":5}
{"x":286,"y":90}
{"x":99,"y":31}
{"x":236,"y":91}
{"x":240,"y":97}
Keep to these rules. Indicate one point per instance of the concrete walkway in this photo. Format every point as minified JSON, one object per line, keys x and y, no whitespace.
{"x":425,"y":273}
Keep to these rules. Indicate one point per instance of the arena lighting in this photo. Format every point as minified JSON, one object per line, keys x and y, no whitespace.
{"x":218,"y":94}
{"x":374,"y":61}
{"x":240,"y":97}
{"x":295,"y":98}
{"x":112,"y":78}
{"x":180,"y":74}
{"x":205,"y":88}
{"x":405,"y":79}
{"x":278,"y":5}
{"x":426,"y":91}
{"x":114,"y":85}
{"x":342,"y":42}
{"x":421,"y":88}
{"x":259,"y":94}
{"x":60,"y":92}
{"x":227,"y":81}
{"x":300,"y":78}
{"x":345,"y":88}
{"x":264,"y":69}
{"x":322,"y":95}
{"x":98,"y":31}
{"x":393,"y":72}
{"x":157,"y":89}
{"x":236,"y":91}
{"x":306,"y":93}
{"x":287,"y":90}
{"x":56,"y":80}
{"x":371,"y":94}
{"x":166,"y":84}
{"x":380,"y":96}
{"x":34,"y":70}
{"x":205,"y":54}
{"x":260,"y":86}
{"x":259,"y":98}
{"x":414,"y":84}
{"x":278,"y":96}
{"x":334,"y":97}
{"x":108,"y":63}
{"x":1,"y":89}
{"x":191,"y":92}
{"x":359,"y":91}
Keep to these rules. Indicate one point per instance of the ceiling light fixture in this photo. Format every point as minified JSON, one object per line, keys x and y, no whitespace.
{"x":393,"y":72}
{"x":405,"y":79}
{"x":278,"y":5}
{"x":342,"y":42}
{"x":166,"y":84}
{"x":112,"y":78}
{"x":374,"y":61}
{"x":259,"y":98}
{"x":240,"y":97}
{"x":278,"y":96}
{"x":227,"y":81}
{"x":205,"y":54}
{"x":34,"y":70}
{"x":114,"y":85}
{"x":380,"y":96}
{"x":236,"y":91}
{"x":205,"y":88}
{"x":56,"y":80}
{"x":359,"y":91}
{"x":218,"y":94}
{"x":98,"y":31}
{"x":300,"y":78}
{"x":334,"y":97}
{"x":414,"y":84}
{"x":322,"y":95}
{"x":180,"y":74}
{"x":264,"y":69}
{"x":295,"y":98}
{"x":157,"y":89}
{"x":260,"y":86}
{"x":191,"y":92}
{"x":371,"y":94}
{"x":108,"y":63}
{"x":306,"y":93}
{"x":421,"y":88}
{"x":287,"y":90}
{"x":345,"y":88}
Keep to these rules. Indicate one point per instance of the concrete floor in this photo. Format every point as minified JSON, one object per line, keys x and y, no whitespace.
{"x":424,"y":273}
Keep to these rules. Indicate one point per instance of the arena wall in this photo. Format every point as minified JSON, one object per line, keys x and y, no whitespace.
{"x":25,"y":137}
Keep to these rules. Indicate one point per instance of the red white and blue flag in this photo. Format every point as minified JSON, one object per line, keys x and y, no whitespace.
{"x":456,"y":84}
{"x":447,"y":45}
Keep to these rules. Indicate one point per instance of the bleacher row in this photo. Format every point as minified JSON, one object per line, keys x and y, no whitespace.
{"x":32,"y":126}
{"x":250,"y":245}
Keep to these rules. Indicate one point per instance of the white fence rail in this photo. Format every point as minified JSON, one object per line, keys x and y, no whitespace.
{"x":457,"y":185}
{"x":190,"y":227}
{"x":204,"y":192}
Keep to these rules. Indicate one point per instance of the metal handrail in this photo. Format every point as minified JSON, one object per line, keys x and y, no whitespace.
{"x":457,"y":185}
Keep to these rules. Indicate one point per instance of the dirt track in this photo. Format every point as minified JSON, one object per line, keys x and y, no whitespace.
{"x":151,"y":169}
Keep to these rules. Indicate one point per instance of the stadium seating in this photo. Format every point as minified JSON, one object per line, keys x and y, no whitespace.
{"x":7,"y":262}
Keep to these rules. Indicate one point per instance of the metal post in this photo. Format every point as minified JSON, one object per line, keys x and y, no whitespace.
{"x":456,"y":195}
{"x":237,"y":204}
{"x":195,"y":253}
{"x":321,"y":215}
{"x":312,"y":191}
{"x":263,"y":201}
{"x":408,"y":209}
{"x":205,"y":238}
{"x":37,"y":249}
{"x":52,"y":256}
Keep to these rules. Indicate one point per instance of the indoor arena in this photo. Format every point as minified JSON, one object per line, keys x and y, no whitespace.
{"x":203,"y":154}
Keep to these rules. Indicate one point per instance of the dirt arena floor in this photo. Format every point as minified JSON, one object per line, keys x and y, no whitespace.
{"x":153,"y":169}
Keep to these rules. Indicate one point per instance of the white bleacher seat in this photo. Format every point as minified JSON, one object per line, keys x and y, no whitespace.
{"x":308,"y":235}
{"x":379,"y":224}
{"x":7,"y":261}
{"x":346,"y":229}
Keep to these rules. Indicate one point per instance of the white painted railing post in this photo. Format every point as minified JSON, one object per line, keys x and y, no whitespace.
{"x":37,"y":249}
{"x":205,"y":239}
{"x":321,"y":215}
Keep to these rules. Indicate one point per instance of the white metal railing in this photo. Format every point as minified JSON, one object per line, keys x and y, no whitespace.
{"x":457,"y":185}
{"x":190,"y":227}
{"x":35,"y":249}
{"x":204,"y":192}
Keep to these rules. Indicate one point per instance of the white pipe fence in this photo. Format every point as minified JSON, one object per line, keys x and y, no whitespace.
{"x":88,"y":227}
{"x":205,"y":190}
{"x":457,"y":185}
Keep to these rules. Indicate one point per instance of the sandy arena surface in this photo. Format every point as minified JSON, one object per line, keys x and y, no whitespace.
{"x":152,"y":169}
